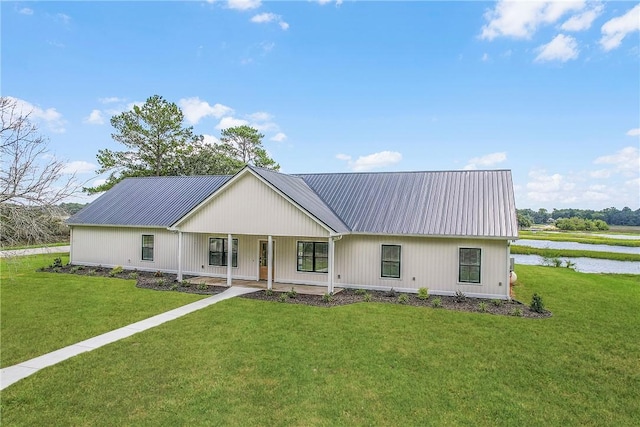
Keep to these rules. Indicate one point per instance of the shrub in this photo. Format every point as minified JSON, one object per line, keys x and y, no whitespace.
{"x":115,"y":270}
{"x":570,"y":264}
{"x":133,"y":276}
{"x":202,"y":287}
{"x":174,"y":287}
{"x":283,"y":298}
{"x":185,"y":283}
{"x":367,"y":297}
{"x":391,"y":293}
{"x":269,"y":292}
{"x":403,"y":299}
{"x":292,"y":293}
{"x":536,"y":304}
{"x":436,"y":302}
{"x":423,"y":293}
{"x":361,"y":291}
{"x":327,"y":297}
{"x":459,"y":296}
{"x":158,"y":274}
{"x":57,"y":263}
{"x":516,"y":311}
{"x":99,"y":269}
{"x":482,"y":306}
{"x":74,"y":270}
{"x":497,"y":302}
{"x":160,"y":282}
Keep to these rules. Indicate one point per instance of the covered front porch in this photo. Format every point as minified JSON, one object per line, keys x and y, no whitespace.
{"x":275,"y":286}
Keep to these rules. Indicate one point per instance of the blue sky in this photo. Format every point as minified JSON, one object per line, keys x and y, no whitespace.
{"x":550,"y":90}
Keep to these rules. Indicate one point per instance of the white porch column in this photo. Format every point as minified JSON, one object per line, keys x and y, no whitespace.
{"x":330,"y":266}
{"x":270,"y":263}
{"x":179,"y":256}
{"x":229,"y":258}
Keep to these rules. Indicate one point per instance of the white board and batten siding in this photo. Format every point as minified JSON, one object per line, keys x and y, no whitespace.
{"x":122,"y":246}
{"x":250,"y":207}
{"x":425,"y":262}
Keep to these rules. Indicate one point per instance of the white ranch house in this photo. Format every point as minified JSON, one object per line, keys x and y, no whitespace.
{"x":448,"y":231}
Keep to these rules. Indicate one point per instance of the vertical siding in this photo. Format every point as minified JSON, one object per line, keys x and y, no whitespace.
{"x":432,"y":262}
{"x":122,"y":246}
{"x":251,"y":207}
{"x":195,"y":257}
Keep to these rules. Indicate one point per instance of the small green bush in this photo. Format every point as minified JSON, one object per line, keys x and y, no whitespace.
{"x":269,"y":292}
{"x":361,"y":291}
{"x":482,"y":306}
{"x":403,"y":299}
{"x":536,"y":304}
{"x":327,"y":298}
{"x":115,"y":270}
{"x":174,"y":287}
{"x":516,"y":311}
{"x":283,"y":298}
{"x":391,"y":293}
{"x":436,"y":302}
{"x":185,"y":283}
{"x":292,"y":293}
{"x":367,"y":297}
{"x":423,"y":293}
{"x":160,"y":282}
{"x":57,"y":263}
{"x":74,"y":270}
{"x":497,"y":302}
{"x":133,"y":276}
{"x":202,"y":287}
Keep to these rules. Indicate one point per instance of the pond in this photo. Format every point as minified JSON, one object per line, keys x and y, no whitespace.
{"x":585,"y":265}
{"x":549,"y":244}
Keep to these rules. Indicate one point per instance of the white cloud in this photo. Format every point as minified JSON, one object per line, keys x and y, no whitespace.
{"x":95,"y":118}
{"x":486,"y":161}
{"x":583,"y":21}
{"x":229,"y":122}
{"x":371,"y":161}
{"x":278,"y":137}
{"x":270,"y":17}
{"x":25,"y":11}
{"x":550,"y":188}
{"x":243,"y":4}
{"x":600,"y":174}
{"x":260,"y":116}
{"x":562,"y":48}
{"x":111,"y":100}
{"x":195,"y":109}
{"x":485,"y":57}
{"x":521,"y":19}
{"x":65,"y":19}
{"x":626,"y":161}
{"x":51,"y":117}
{"x":634,"y":132}
{"x":78,"y":167}
{"x":323,"y":2}
{"x":210,"y":139}
{"x":616,"y":29}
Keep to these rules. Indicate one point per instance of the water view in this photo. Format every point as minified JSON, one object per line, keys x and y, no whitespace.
{"x":549,"y":244}
{"x":585,"y":265}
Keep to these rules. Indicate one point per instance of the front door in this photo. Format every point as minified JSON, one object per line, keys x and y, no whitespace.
{"x":264,"y":260}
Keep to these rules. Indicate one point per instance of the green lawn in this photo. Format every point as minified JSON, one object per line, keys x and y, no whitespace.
{"x":42,"y":312}
{"x":249,"y":362}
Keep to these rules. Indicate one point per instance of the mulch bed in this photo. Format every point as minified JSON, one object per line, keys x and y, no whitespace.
{"x":167,"y":282}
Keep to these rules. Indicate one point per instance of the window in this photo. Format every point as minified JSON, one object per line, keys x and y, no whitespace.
{"x":313,"y":257}
{"x":147,"y":247}
{"x":219,"y":250}
{"x":469,"y":265}
{"x":390,"y":265}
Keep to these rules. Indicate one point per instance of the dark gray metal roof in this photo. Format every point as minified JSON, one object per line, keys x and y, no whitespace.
{"x":448,"y":203}
{"x":295,"y":188}
{"x":149,"y":201}
{"x":445,"y":203}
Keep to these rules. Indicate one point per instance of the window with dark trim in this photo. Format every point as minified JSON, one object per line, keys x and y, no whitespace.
{"x":147,"y":247}
{"x":390,"y":261}
{"x":219,"y":252}
{"x":313,"y":257}
{"x":469,"y":265}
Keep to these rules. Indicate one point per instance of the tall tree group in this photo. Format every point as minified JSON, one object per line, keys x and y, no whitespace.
{"x":157,"y":144}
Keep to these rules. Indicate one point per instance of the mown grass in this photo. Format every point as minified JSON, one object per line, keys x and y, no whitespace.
{"x":42,"y":312}
{"x":249,"y":362}
{"x":45,"y":245}
{"x":573,"y":253}
{"x":587,"y":238}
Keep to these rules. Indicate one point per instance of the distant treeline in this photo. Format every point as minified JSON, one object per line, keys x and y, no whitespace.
{"x":611,"y":216}
{"x":71,"y":208}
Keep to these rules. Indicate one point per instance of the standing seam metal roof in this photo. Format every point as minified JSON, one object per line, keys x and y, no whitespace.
{"x":444,"y":203}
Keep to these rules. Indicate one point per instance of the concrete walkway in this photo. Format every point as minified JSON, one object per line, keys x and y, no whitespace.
{"x":12,"y":374}
{"x":35,"y":251}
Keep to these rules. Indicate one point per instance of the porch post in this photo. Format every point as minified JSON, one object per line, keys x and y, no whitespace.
{"x":229,"y":258}
{"x":179,"y":256}
{"x":270,"y":262}
{"x":330,"y":266}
